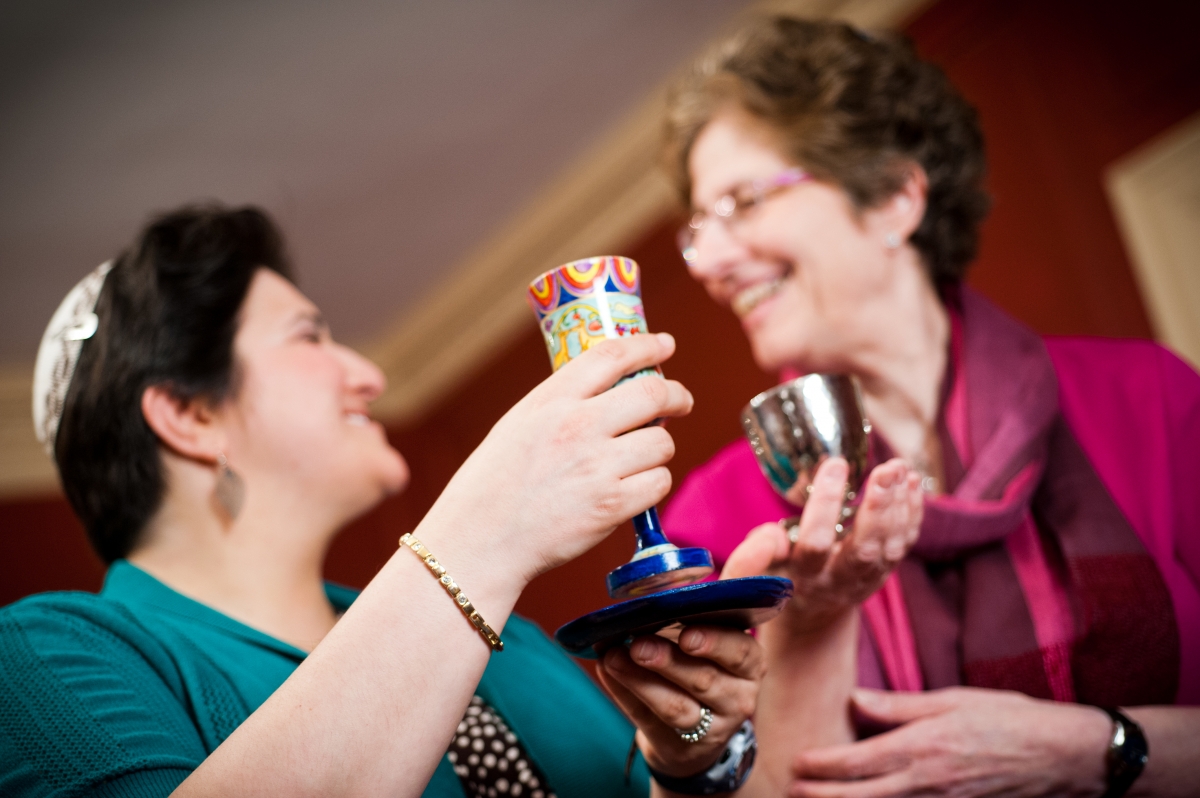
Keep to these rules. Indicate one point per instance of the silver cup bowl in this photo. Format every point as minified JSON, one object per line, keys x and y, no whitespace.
{"x":796,"y":426}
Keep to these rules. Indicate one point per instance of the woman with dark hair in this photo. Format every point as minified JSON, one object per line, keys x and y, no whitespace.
{"x":836,"y":182}
{"x":213,"y":438}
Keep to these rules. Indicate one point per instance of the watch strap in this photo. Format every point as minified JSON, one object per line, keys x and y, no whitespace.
{"x":1127,"y":755}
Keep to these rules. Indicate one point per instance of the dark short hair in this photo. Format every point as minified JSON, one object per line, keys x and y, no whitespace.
{"x":852,"y":109}
{"x":168,"y":311}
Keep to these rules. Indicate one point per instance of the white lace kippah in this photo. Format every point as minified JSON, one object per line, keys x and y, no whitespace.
{"x":74,"y":322}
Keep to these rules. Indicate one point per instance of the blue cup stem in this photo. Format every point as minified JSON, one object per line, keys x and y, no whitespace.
{"x":649,"y":529}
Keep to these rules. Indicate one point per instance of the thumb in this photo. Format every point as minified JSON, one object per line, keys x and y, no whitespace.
{"x":765,"y":546}
{"x":894,"y":709}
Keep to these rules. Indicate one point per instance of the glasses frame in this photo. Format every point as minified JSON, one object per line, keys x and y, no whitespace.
{"x":730,"y":207}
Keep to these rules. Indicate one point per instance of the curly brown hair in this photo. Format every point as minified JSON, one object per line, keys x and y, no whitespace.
{"x":853,"y":109}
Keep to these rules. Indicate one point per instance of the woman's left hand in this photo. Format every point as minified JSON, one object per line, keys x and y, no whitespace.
{"x":962,"y":741}
{"x":661,"y":686}
{"x":832,"y":576}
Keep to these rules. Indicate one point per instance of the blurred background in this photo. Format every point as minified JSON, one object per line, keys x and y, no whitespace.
{"x":426,"y":159}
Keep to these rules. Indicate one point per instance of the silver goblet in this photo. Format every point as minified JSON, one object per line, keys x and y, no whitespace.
{"x":796,"y":426}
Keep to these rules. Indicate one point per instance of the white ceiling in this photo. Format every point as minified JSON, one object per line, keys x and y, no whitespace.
{"x":387,"y":137}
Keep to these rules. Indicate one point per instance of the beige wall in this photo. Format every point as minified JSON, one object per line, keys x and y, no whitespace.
{"x":1156,"y":193}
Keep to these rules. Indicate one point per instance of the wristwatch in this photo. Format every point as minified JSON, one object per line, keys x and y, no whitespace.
{"x":727,"y":774}
{"x":1127,"y":755}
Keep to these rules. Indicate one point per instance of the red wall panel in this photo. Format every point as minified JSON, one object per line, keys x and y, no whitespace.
{"x":42,"y":547}
{"x":1064,"y":89}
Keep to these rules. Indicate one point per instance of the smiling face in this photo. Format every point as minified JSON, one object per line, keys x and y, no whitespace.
{"x":298,"y":423}
{"x":802,"y":269}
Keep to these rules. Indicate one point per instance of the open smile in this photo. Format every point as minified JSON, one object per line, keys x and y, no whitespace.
{"x":749,"y":298}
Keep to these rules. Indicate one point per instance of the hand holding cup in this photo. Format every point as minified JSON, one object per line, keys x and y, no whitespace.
{"x":664,"y":682}
{"x":571,"y":460}
{"x":579,"y":305}
{"x":794,"y":427}
{"x":810,"y":436}
{"x":833,"y":575}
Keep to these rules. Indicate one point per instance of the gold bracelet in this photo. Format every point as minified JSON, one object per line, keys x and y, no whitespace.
{"x":460,"y":598}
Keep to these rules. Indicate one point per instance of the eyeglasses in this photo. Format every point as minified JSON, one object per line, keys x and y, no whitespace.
{"x":733,"y":206}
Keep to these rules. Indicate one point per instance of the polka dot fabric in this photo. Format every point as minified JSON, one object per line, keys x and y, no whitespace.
{"x":490,"y":760}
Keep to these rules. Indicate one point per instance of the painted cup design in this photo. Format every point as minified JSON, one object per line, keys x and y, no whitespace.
{"x":578,"y":305}
{"x":586,"y":301}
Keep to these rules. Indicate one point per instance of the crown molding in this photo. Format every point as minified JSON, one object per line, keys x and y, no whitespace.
{"x":607,"y":198}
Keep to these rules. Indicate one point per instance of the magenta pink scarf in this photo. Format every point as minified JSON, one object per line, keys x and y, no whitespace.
{"x":1064,"y":561}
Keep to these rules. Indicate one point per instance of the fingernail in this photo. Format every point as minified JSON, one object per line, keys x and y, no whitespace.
{"x":835,"y":471}
{"x":666,"y":339}
{"x":644,"y":650}
{"x":866,"y":698}
{"x":614,"y":661}
{"x":894,"y":550}
{"x":692,"y":640}
{"x":886,"y":479}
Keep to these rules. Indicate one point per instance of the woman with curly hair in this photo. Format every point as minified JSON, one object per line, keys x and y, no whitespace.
{"x":836,"y":186}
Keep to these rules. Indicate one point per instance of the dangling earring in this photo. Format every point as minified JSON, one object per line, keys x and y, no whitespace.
{"x":892,"y":240}
{"x":231,"y":490}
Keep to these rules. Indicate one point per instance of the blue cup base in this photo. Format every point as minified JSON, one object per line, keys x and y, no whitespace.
{"x":659,"y":571}
{"x":734,"y":603}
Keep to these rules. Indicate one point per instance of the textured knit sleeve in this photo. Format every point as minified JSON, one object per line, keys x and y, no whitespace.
{"x":90,"y":704}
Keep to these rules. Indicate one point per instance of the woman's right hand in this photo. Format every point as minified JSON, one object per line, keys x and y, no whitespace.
{"x":662,"y":685}
{"x":833,"y":576}
{"x":570,"y":461}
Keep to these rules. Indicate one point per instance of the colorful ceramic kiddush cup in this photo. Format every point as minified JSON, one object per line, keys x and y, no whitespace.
{"x":578,"y":305}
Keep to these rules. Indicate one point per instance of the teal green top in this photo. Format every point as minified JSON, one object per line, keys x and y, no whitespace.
{"x":126,"y":692}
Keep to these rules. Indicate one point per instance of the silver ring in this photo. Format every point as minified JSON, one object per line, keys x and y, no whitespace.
{"x":700,"y":730}
{"x":791,"y":526}
{"x":845,"y":523}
